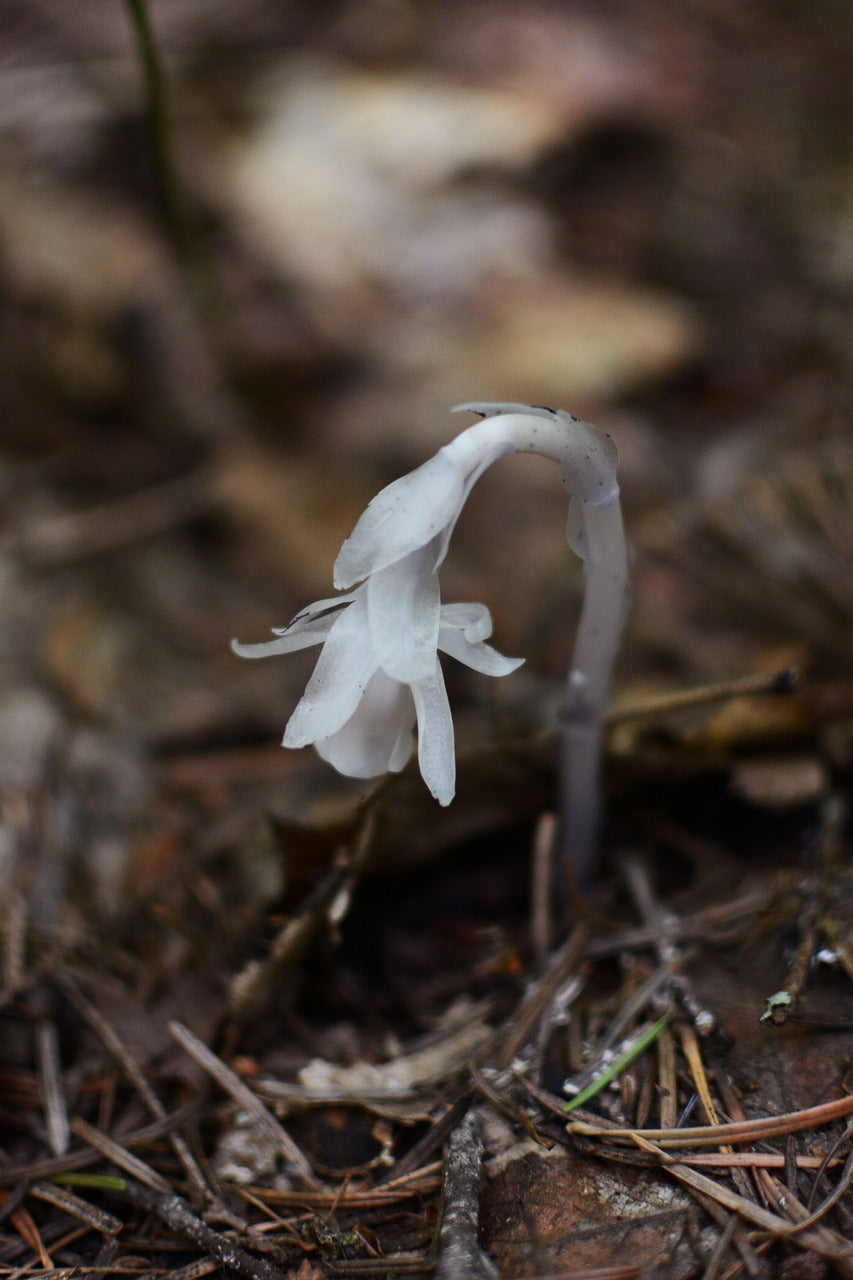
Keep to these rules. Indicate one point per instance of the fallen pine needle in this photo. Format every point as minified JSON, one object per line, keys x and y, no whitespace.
{"x":752,"y":1160}
{"x":715,"y":1135}
{"x":637,"y":1046}
{"x":823,"y":1241}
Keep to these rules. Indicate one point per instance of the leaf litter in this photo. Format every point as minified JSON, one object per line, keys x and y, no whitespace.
{"x":253,"y":1021}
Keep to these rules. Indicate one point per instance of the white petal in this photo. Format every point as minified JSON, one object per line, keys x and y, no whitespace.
{"x":494,"y":409}
{"x":321,"y":611}
{"x":345,"y":665}
{"x":473,"y":620}
{"x":402,"y":752}
{"x":405,"y":516}
{"x":378,"y":736}
{"x":435,"y":736}
{"x":576,"y":529}
{"x":284,"y":644}
{"x":311,"y":626}
{"x":479,"y":656}
{"x":403,"y":609}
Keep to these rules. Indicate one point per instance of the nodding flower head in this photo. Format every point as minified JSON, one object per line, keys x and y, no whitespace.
{"x":378,"y":674}
{"x":425,"y":504}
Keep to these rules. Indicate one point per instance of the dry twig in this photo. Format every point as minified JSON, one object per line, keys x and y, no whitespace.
{"x":459,"y":1254}
{"x":178,"y":1215}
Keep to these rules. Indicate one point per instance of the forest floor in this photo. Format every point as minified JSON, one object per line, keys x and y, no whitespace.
{"x":257,"y":1019}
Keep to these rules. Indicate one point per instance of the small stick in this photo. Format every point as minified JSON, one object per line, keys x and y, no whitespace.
{"x":58,"y":1167}
{"x":178,"y":1215}
{"x":713,"y":1269}
{"x":774,"y":682}
{"x":693,"y":1054}
{"x":415,"y":1157}
{"x":564,"y":965}
{"x":691,"y":1051}
{"x":541,"y":922}
{"x":420,"y":1182}
{"x":56,"y":541}
{"x":26,"y":1228}
{"x":61,"y":1198}
{"x":192,"y":1271}
{"x":459,"y":1255}
{"x":801,"y":1221}
{"x":699,"y":925}
{"x":749,"y":1258}
{"x":734,"y":1109}
{"x":751,"y":1160}
{"x":119,"y":1155}
{"x":50,"y":1078}
{"x":663,"y":924}
{"x":243,"y":1096}
{"x":667,"y":1080}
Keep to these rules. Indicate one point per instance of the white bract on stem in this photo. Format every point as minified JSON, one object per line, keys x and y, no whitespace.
{"x":378,"y":675}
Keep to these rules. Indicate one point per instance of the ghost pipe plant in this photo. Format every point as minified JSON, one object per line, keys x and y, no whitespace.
{"x":378,"y":674}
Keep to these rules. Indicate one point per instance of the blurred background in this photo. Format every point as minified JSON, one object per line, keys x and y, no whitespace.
{"x":251,"y":254}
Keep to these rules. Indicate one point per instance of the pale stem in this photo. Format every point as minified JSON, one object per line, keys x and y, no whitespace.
{"x":599,"y":631}
{"x":588,"y":460}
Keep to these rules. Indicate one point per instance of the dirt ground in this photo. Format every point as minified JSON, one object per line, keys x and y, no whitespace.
{"x":255,"y":1018}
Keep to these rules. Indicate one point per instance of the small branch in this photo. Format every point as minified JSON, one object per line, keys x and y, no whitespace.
{"x":56,"y":541}
{"x":53,"y":1092}
{"x":566,"y":965}
{"x":829,"y":1244}
{"x":61,"y":1198}
{"x":663,"y":924}
{"x":541,"y":923}
{"x":459,"y":1254}
{"x":772,"y":683}
{"x":178,"y":1215}
{"x":119,"y":1155}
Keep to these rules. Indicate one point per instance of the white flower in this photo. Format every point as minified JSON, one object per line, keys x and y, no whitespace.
{"x":378,"y":672}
